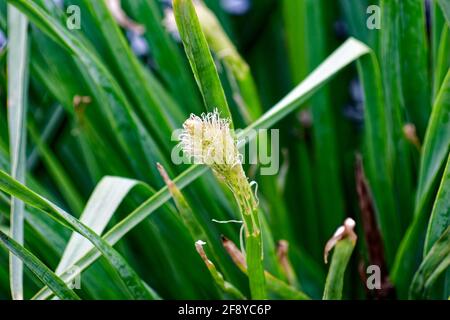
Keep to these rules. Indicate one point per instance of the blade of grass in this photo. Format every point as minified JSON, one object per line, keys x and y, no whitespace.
{"x":440,"y":215}
{"x":434,"y":153}
{"x":39,"y":269}
{"x":56,"y":118}
{"x":445,"y":5}
{"x":438,"y":223}
{"x":414,"y":63}
{"x":195,"y":228}
{"x":285,"y":262}
{"x":17,"y":106}
{"x":377,"y":156}
{"x":170,"y":63}
{"x":216,"y":275}
{"x":335,"y":278}
{"x":59,"y":175}
{"x":102,"y":204}
{"x":131,"y":280}
{"x":274,"y":284}
{"x":294,"y":15}
{"x":350,"y":51}
{"x":241,"y":79}
{"x":436,"y":144}
{"x":438,"y":26}
{"x":132,"y":72}
{"x":327,"y":166}
{"x":47,"y":240}
{"x":106,"y":157}
{"x":200,"y":58}
{"x":354,"y":12}
{"x":442,"y":60}
{"x":435,"y":262}
{"x":47,"y":55}
{"x":393,"y":71}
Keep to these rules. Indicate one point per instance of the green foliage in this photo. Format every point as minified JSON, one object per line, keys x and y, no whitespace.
{"x":100,"y":105}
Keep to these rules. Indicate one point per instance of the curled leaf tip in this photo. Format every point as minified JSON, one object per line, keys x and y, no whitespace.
{"x":199,"y":247}
{"x":234,"y":252}
{"x":344,"y":231}
{"x":164,"y":175}
{"x":200,"y":242}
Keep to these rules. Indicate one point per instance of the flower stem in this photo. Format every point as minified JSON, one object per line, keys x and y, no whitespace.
{"x":249,"y":211}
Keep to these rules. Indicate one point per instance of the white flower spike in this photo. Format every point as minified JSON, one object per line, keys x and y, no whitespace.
{"x":208,"y":140}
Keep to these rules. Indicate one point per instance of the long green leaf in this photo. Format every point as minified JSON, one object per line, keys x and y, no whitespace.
{"x":102,"y":204}
{"x":414,"y":63}
{"x":216,"y":275}
{"x":327,"y":166}
{"x":132,"y":72}
{"x":436,"y":262}
{"x":238,"y":71}
{"x":57,"y":171}
{"x":273,"y":284}
{"x":434,"y":154}
{"x":131,"y":280}
{"x":294,"y":15}
{"x":132,"y":136}
{"x":440,"y":216}
{"x":39,"y":269}
{"x":17,"y":106}
{"x":335,"y":278}
{"x":171,"y":64}
{"x":438,"y":25}
{"x":442,"y":59}
{"x":343,"y":241}
{"x":396,"y":94}
{"x":353,"y":11}
{"x":378,"y":154}
{"x":436,"y":144}
{"x":200,"y":58}
{"x":445,"y":5}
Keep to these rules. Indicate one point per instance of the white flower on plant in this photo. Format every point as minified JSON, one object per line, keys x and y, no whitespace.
{"x":208,"y":139}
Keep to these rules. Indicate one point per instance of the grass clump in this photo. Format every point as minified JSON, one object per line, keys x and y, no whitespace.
{"x":89,"y":119}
